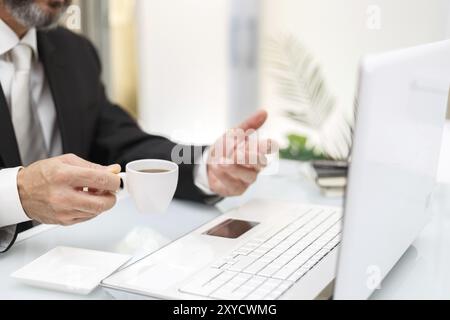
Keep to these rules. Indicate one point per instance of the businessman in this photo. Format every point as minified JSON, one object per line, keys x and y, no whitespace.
{"x":59,"y":133}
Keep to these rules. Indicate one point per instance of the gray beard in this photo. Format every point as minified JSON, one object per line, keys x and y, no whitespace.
{"x":30,"y":15}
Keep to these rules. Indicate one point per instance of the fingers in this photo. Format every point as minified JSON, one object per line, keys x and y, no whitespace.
{"x":74,"y":160}
{"x":254,"y":122}
{"x":93,"y":179}
{"x":263,"y":146}
{"x":244,"y":136}
{"x":245,"y":174}
{"x":223,"y":184}
{"x":77,"y":206}
{"x":76,"y":221}
{"x":231,"y":176}
{"x":247,"y":153}
{"x":73,"y":221}
{"x":71,"y":217}
{"x":256,"y":159}
{"x":268,"y":146}
{"x":227,"y":144}
{"x":90,"y":204}
{"x":51,"y":190}
{"x":114,"y":168}
{"x":246,"y":158}
{"x":235,"y":137}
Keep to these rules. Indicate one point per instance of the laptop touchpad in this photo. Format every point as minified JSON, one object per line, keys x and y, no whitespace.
{"x":231,"y":228}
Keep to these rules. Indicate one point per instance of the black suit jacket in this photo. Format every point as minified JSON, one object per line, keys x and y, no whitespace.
{"x":91,"y":126}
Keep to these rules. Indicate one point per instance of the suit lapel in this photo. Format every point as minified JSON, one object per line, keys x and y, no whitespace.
{"x":65,"y":98}
{"x":9,"y":150}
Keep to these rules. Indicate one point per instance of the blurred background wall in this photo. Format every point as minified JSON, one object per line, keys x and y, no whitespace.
{"x":338,"y":33}
{"x":110,"y":25}
{"x":183,"y":67}
{"x":190,"y":68}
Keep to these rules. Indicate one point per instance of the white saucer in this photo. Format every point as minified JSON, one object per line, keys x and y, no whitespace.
{"x":70,"y":269}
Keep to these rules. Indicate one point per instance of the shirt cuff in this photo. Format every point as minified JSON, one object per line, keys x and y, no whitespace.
{"x":11,"y":211}
{"x":201,"y":174}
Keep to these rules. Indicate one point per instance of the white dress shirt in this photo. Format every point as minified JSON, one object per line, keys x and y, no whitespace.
{"x":11,"y":211}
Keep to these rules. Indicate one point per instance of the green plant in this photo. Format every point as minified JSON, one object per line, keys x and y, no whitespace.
{"x":301,"y":84}
{"x":298,"y":150}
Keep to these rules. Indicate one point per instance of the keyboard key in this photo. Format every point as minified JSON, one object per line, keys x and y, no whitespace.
{"x":260,"y":251}
{"x":258,"y":294}
{"x":265,"y":289}
{"x":242,"y":263}
{"x":242,"y":251}
{"x":226,"y":293}
{"x":229,"y":290}
{"x":271,"y":284}
{"x":248,"y":288}
{"x":244,"y":291}
{"x":275,"y":294}
{"x":218,"y":264}
{"x":309,"y":264}
{"x":273,"y":254}
{"x":200,"y":284}
{"x":294,"y":265}
{"x":272,"y":295}
{"x":285,"y":272}
{"x":268,"y":271}
{"x":256,"y":266}
{"x":266,"y":246}
{"x":297,"y":275}
{"x":228,"y":260}
{"x":255,"y":281}
{"x":222,"y":278}
{"x":284,"y":258}
{"x":315,"y":259}
{"x":254,"y":243}
{"x":255,"y":254}
{"x":265,"y":267}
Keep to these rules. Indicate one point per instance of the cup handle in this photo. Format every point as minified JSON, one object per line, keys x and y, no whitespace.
{"x":123,"y":176}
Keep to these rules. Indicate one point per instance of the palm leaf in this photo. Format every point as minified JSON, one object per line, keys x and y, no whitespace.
{"x":301,"y":83}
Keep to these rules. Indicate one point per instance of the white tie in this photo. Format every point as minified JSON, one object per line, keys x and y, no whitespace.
{"x":27,"y":127}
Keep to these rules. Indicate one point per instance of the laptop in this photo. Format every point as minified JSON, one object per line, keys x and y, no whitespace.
{"x":279,"y":250}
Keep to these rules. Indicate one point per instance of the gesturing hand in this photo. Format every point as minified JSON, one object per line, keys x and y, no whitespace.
{"x":53,"y":191}
{"x":236,"y":159}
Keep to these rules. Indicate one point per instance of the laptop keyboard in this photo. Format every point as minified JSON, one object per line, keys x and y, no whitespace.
{"x":268,"y":265}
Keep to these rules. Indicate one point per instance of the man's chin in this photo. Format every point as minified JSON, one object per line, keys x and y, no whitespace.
{"x":38,"y":14}
{"x":54,"y":8}
{"x":51,"y":12}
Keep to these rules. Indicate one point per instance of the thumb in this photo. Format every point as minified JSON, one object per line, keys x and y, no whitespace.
{"x":254,"y":122}
{"x":114,"y":168}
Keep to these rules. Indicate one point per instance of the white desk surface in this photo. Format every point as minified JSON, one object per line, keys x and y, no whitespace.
{"x":423,"y":272}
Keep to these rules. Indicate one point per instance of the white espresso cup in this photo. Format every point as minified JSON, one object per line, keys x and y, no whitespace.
{"x":151,"y":192}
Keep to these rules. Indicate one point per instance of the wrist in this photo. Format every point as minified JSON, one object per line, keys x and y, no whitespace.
{"x":21,"y":188}
{"x":201,"y":174}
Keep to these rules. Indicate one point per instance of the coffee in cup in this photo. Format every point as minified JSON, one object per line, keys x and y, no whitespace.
{"x":151,"y":184}
{"x":153,"y":170}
